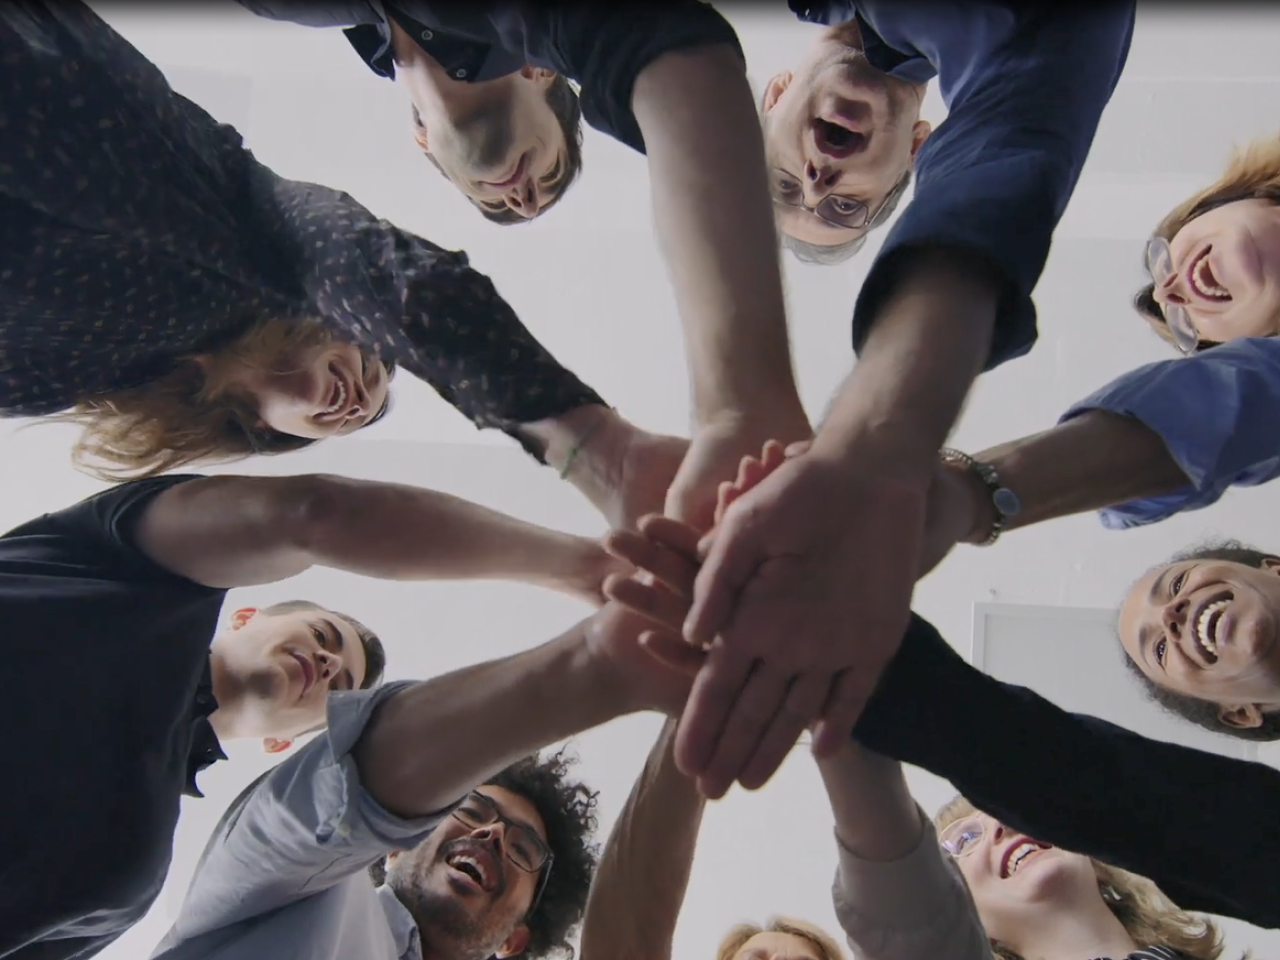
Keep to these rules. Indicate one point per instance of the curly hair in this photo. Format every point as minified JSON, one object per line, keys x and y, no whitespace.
{"x":1206,"y":713}
{"x":568,"y":810}
{"x":1148,"y":916}
{"x":194,"y":413}
{"x":824,"y":945}
{"x":1253,"y":173}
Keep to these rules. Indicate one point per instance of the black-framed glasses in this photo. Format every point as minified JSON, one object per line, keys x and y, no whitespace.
{"x":521,"y":844}
{"x":962,"y":836}
{"x":1181,"y":327}
{"x":844,"y":212}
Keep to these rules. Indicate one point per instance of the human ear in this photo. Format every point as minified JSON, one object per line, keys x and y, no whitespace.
{"x":1244,"y":716}
{"x":243,"y":616}
{"x":775,"y":88}
{"x":273,"y":745}
{"x":515,"y":944}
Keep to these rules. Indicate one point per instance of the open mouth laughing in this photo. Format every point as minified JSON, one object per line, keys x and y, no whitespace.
{"x":1201,"y":279}
{"x":1204,"y":627}
{"x":476,"y":864}
{"x":1018,"y":854}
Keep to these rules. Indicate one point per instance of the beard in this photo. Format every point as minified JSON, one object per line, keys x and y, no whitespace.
{"x":445,"y":926}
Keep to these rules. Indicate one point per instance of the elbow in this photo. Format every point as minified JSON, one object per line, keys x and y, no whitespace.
{"x":311,"y":509}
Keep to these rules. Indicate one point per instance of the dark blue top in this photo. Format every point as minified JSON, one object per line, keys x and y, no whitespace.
{"x":1218,"y":413}
{"x":1202,"y":826}
{"x":107,"y":654}
{"x":603,"y":46}
{"x":1025,"y":85}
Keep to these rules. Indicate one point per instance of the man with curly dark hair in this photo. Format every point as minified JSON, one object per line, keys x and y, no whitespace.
{"x":487,"y":846}
{"x":567,"y":810}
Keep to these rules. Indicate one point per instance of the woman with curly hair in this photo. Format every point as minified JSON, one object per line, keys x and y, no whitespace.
{"x":1215,"y":259}
{"x":1039,"y":902}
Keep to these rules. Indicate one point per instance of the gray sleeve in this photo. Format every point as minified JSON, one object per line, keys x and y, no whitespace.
{"x":915,"y":908}
{"x":301,"y":828}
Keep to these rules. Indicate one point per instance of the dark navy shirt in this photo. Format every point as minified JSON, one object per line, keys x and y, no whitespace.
{"x":1025,"y":85}
{"x":602,"y":46}
{"x":107,"y":704}
{"x":136,"y":230}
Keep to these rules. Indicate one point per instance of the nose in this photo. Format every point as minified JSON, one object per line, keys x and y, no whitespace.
{"x":1174,"y":617}
{"x":1170,"y":292}
{"x":327,"y":664}
{"x":997,"y":831}
{"x":822,"y":174}
{"x":494,"y":833}
{"x":523,"y":199}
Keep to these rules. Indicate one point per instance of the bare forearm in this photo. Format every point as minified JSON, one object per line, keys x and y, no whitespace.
{"x":1092,"y":461}
{"x":429,"y":744}
{"x":876,"y":818}
{"x":640,"y":885}
{"x":714,"y":221}
{"x":917,"y":365}
{"x":399,"y":532}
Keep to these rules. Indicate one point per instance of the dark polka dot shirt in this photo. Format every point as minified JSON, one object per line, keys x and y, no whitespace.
{"x":134,"y":228}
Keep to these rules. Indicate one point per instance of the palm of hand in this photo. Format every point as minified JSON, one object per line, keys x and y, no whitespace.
{"x":649,"y":466}
{"x":613,"y":636}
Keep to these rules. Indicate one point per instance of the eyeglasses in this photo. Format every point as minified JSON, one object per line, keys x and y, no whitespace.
{"x":844,"y":212}
{"x":961,"y":838}
{"x":523,"y":847}
{"x":1160,"y":265}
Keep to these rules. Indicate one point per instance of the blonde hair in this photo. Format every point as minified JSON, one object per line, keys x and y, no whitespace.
{"x":1148,"y":916}
{"x":1253,"y":172}
{"x":826,"y":947}
{"x":194,"y":413}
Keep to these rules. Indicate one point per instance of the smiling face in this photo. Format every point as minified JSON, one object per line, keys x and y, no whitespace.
{"x":507,"y":154}
{"x":323,"y":391}
{"x":1015,"y":879}
{"x":462,"y":887}
{"x":1225,"y":271}
{"x":1208,"y":629}
{"x":839,"y":135}
{"x":273,"y":672}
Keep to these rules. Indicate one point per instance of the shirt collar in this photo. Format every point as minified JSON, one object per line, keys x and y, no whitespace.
{"x":403,"y":928}
{"x":205,"y":750}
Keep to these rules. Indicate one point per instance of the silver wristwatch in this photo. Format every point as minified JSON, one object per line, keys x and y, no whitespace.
{"x":1003,"y":499}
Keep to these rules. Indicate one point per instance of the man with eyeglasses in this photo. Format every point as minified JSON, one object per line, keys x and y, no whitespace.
{"x":487,"y":848}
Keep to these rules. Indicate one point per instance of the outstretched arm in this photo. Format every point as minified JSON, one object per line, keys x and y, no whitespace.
{"x":235,"y":531}
{"x":640,"y":884}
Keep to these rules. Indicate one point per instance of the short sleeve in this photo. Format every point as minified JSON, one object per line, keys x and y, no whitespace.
{"x":914,"y":908}
{"x":301,"y":828}
{"x":99,"y":530}
{"x":606,"y":46}
{"x":995,"y":177}
{"x":1215,"y":412}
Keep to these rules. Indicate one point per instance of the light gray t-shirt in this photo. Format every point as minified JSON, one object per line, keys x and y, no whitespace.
{"x":915,"y":908}
{"x":284,"y":876}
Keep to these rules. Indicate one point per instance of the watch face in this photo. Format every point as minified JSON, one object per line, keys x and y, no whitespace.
{"x":1006,"y":501}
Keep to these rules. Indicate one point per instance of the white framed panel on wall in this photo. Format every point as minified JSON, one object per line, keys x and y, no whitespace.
{"x":1071,"y":656}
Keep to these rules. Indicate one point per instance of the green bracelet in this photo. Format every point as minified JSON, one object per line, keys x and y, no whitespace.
{"x":577,"y":447}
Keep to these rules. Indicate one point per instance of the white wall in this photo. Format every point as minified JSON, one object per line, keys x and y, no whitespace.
{"x":587,"y":278}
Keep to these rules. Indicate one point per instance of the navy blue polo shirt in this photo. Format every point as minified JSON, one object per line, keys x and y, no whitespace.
{"x":602,"y":46}
{"x":106,"y":705}
{"x":1025,"y":85}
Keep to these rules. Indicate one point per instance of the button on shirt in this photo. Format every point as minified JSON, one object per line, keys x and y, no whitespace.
{"x":1218,"y":413}
{"x":285,"y":874}
{"x":1025,"y":85}
{"x":602,"y":46}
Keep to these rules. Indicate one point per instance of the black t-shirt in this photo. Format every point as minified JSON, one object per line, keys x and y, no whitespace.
{"x":106,"y":655}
